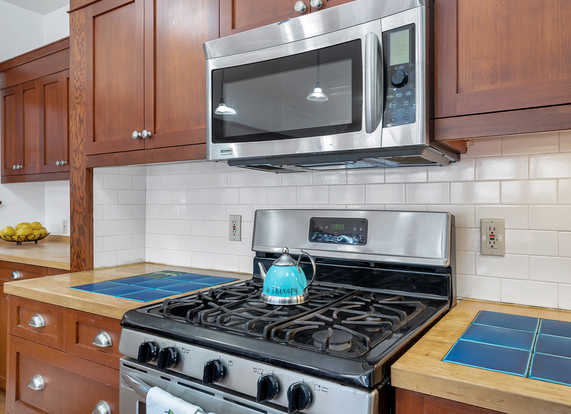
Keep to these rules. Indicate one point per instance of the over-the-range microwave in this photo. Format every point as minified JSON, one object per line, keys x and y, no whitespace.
{"x":345,"y":87}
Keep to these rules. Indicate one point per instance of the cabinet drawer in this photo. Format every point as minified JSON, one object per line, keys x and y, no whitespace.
{"x":16,"y":271}
{"x":93,"y":337}
{"x":37,"y":321}
{"x":70,"y":384}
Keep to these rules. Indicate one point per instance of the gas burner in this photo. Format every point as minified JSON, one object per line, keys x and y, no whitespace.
{"x":332,"y":339}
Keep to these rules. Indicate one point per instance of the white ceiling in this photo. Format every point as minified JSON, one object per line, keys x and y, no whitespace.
{"x":39,"y":6}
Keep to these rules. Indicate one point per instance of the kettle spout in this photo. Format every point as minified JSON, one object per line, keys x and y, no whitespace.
{"x":262,"y":270}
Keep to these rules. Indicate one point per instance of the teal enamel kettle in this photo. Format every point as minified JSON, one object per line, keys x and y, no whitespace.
{"x":285,"y":283}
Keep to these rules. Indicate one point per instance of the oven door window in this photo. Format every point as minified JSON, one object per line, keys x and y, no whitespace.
{"x":315,"y":93}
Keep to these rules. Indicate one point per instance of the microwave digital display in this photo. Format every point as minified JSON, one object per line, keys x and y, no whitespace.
{"x":399,"y":47}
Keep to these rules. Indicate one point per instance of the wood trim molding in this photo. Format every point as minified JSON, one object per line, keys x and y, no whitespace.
{"x":38,"y":53}
{"x":524,"y":121}
{"x":170,"y":154}
{"x":81,"y":177}
{"x":31,"y":178}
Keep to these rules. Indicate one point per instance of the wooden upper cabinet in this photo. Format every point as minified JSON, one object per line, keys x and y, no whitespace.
{"x":498,"y":56}
{"x":35,"y":114}
{"x":146,"y":62}
{"x":241,"y":15}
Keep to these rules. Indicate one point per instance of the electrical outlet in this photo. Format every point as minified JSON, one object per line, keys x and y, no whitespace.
{"x":64,"y":227}
{"x":492,"y":232}
{"x":235,"y":228}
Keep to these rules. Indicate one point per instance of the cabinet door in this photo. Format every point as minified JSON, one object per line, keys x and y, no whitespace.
{"x":54,"y":125}
{"x":11,"y":141}
{"x":175,"y":70}
{"x":501,"y":55}
{"x":240,"y":15}
{"x":30,"y":128}
{"x":115,"y":58}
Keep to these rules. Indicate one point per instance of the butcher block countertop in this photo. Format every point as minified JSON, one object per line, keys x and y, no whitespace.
{"x":53,"y":251}
{"x":55,"y":289}
{"x":422,"y":370}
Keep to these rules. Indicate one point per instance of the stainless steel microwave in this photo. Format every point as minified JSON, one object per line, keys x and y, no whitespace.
{"x":344,"y":87}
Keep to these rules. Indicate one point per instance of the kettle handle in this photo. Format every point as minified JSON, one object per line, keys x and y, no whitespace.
{"x":312,"y":263}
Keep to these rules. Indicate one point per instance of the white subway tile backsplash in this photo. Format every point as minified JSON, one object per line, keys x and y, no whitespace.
{"x":179,"y":212}
{"x":509,"y":267}
{"x":531,"y":143}
{"x":516,"y":217}
{"x":550,"y":269}
{"x":475,"y":193}
{"x":532,"y":242}
{"x":502,"y":168}
{"x":385,"y":194}
{"x":407,"y":175}
{"x":479,"y":287}
{"x":565,"y":244}
{"x":459,"y":171}
{"x":428,"y":193}
{"x":565,"y":141}
{"x":532,"y":293}
{"x":529,"y":192}
{"x":550,"y":166}
{"x":565,"y":191}
{"x":550,"y":218}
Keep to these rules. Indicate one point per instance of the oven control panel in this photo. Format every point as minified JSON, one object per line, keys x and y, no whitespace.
{"x":258,"y":381}
{"x":338,"y":230}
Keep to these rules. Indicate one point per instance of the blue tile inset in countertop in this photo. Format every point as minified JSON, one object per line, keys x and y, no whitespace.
{"x":120,"y":290}
{"x":551,"y":368}
{"x":493,"y":335}
{"x":497,"y":358}
{"x":148,"y":294}
{"x":554,"y":345}
{"x":183,"y":287}
{"x":558,"y":328}
{"x":94,"y":287}
{"x":506,"y":320}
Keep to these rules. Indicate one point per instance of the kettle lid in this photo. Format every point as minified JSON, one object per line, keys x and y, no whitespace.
{"x":285,"y":259}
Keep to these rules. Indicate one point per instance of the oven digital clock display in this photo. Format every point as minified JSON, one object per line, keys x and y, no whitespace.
{"x":338,"y":230}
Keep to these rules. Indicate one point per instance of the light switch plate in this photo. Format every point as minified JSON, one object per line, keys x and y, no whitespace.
{"x":492,"y":235}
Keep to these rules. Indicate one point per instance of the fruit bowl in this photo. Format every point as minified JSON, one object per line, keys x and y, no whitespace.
{"x":21,"y":239}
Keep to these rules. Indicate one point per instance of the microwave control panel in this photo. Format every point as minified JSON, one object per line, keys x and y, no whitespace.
{"x":400,"y":82}
{"x":338,"y":230}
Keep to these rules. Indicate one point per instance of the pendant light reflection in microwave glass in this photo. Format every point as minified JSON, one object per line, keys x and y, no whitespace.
{"x":317,"y":95}
{"x":222,"y":108}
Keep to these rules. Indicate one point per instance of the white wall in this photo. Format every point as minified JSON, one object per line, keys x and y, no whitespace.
{"x":21,"y":31}
{"x":525,"y":180}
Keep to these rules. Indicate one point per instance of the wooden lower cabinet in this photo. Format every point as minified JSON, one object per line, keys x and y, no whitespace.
{"x":409,"y":402}
{"x":10,"y":271}
{"x":75,"y":353}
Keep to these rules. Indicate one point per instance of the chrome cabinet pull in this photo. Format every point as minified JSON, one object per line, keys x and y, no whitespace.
{"x":102,"y":340}
{"x":146,"y":134}
{"x":101,"y":408}
{"x":37,"y":383}
{"x":316,"y":4}
{"x":37,"y":321}
{"x":136,"y":135}
{"x":300,"y":7}
{"x":16,"y":275}
{"x":17,"y":167}
{"x":61,"y":163}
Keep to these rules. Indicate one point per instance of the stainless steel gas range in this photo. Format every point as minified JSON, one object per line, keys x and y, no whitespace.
{"x":383,"y":278}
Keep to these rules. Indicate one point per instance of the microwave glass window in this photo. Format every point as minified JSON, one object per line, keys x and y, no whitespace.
{"x":399,"y":47}
{"x":309,"y":94}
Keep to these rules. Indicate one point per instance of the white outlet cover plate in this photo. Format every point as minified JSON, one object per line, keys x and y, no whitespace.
{"x":492,"y":236}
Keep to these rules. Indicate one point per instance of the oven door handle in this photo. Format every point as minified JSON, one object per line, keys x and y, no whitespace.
{"x":374,"y":82}
{"x":136,"y":384}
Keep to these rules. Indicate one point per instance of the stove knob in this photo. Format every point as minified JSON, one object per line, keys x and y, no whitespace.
{"x":268,"y":388}
{"x":148,"y":352}
{"x":168,"y":357}
{"x":298,"y":397}
{"x":214,"y":371}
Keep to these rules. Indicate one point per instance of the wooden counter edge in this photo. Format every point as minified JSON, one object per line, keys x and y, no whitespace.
{"x":422,"y":370}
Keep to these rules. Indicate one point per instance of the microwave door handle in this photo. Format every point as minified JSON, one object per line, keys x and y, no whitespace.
{"x":373,"y":82}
